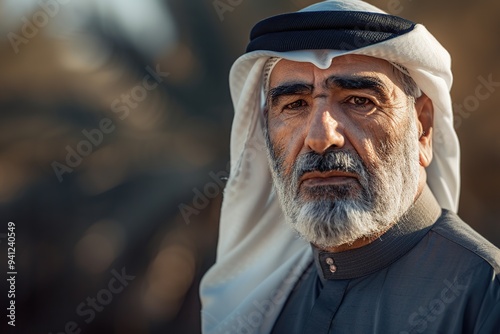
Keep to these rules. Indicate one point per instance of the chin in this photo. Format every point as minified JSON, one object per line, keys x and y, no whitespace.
{"x":328,"y":223}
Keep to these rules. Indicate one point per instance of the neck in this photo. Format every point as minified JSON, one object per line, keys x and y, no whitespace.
{"x":356,"y":244}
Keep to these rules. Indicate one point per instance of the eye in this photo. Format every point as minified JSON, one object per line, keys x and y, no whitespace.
{"x":360,"y":103}
{"x":296,"y":105}
{"x":359,"y":100}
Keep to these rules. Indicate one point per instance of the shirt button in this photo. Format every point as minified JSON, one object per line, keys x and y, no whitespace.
{"x":333,"y":268}
{"x":329,"y":261}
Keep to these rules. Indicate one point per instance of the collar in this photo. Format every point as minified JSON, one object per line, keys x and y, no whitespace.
{"x":385,"y":250}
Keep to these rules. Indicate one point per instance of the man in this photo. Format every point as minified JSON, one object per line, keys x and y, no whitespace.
{"x":345,"y":222}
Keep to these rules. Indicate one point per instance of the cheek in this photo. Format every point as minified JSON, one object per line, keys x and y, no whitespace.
{"x":391,"y":140}
{"x":287,"y":141}
{"x":371,"y":140}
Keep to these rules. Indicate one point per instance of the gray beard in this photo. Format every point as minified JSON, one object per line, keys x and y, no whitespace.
{"x":330,"y":216}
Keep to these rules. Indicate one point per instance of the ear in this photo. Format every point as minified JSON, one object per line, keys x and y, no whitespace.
{"x":425,"y":119}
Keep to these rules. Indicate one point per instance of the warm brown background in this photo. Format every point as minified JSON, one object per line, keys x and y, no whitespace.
{"x":120,"y":207}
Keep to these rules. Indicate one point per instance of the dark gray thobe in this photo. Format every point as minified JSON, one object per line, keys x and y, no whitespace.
{"x":430,"y":273}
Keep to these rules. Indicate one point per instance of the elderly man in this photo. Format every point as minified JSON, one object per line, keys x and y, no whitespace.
{"x":339,"y":213}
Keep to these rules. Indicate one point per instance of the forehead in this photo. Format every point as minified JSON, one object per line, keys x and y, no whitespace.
{"x":287,"y":70}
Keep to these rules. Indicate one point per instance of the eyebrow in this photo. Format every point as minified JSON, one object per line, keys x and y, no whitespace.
{"x":375,"y":84}
{"x":287,"y":89}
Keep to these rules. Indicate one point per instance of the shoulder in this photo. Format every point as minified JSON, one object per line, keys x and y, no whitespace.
{"x":464,"y":242}
{"x":466,"y":268}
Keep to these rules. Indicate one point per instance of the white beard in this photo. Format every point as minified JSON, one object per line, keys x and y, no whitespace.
{"x":330,"y":216}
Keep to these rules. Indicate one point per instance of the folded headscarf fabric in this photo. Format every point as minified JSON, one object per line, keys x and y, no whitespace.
{"x":259,"y":258}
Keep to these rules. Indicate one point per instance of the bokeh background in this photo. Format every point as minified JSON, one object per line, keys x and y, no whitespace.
{"x":143,"y":201}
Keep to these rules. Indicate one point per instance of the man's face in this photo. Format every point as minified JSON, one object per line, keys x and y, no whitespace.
{"x":343,"y":148}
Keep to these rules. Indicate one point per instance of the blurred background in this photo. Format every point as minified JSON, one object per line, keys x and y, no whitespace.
{"x":114,"y":136}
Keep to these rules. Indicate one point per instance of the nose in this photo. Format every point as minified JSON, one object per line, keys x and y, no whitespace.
{"x":324,"y":132}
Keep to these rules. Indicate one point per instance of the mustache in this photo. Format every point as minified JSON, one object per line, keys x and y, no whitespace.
{"x":343,"y":161}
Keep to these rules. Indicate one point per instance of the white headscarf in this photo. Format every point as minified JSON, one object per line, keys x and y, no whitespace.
{"x":259,"y":258}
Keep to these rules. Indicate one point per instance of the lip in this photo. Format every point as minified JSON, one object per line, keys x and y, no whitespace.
{"x":327,"y":178}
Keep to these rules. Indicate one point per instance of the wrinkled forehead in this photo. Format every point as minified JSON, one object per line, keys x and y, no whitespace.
{"x":348,"y":66}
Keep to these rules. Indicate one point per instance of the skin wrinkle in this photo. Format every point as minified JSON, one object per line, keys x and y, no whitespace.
{"x":346,"y":82}
{"x":383,"y":152}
